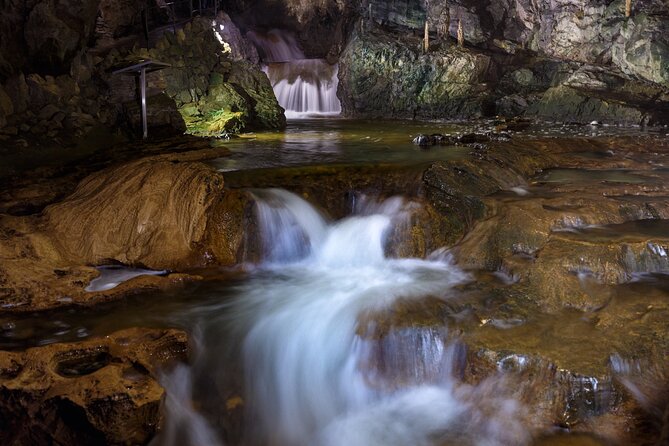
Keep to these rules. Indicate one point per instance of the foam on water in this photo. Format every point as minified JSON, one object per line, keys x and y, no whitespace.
{"x":310,"y":377}
{"x":112,"y":276}
{"x":304,"y":87}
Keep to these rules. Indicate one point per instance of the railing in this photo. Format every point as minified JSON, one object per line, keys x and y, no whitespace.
{"x":159,"y":14}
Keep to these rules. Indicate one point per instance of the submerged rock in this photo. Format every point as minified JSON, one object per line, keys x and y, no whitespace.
{"x":472,"y":139}
{"x":422,"y":140}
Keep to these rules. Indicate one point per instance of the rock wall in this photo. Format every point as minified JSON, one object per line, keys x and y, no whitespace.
{"x":214,"y":89}
{"x":57,"y":86}
{"x":556,"y":60}
{"x":386,"y":78}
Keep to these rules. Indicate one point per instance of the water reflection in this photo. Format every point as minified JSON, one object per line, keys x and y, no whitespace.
{"x":318,"y":141}
{"x":340,"y":140}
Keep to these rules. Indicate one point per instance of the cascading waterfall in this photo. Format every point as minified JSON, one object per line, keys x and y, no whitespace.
{"x":311,"y":375}
{"x":304,"y":87}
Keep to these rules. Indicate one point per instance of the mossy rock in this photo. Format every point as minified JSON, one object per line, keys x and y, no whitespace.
{"x":216,"y":123}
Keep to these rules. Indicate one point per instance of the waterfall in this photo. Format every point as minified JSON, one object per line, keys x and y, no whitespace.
{"x":304,"y":87}
{"x":318,"y":369}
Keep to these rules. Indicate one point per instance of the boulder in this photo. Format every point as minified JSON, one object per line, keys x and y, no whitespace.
{"x":215,"y":94}
{"x":161,"y":212}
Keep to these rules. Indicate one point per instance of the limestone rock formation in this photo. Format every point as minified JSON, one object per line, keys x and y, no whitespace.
{"x":553,"y":60}
{"x":99,"y":391}
{"x":162,"y":211}
{"x":158,"y":212}
{"x":213,"y":93}
{"x":382,"y":77}
{"x":57,"y":86}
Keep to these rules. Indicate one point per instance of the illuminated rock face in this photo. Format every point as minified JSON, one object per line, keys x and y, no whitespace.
{"x":551,"y":60}
{"x":58,"y":83}
{"x":99,"y":391}
{"x":214,"y":88}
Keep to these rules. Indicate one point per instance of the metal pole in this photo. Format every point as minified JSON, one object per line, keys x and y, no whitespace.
{"x":142,"y":87}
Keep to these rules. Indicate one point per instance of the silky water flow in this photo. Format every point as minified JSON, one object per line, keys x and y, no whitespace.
{"x":304,"y":87}
{"x":309,"y":377}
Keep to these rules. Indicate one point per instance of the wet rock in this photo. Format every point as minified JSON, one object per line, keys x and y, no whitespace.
{"x":97,"y":391}
{"x":425,"y":341}
{"x":512,"y":125}
{"x":565,"y":104}
{"x":540,"y":242}
{"x":422,"y":140}
{"x":647,"y":384}
{"x":447,"y":84}
{"x":157,"y":212}
{"x":214,"y":94}
{"x":472,"y":139}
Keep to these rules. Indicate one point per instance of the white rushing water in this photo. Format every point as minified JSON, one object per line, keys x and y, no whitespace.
{"x":304,"y":87}
{"x":112,"y":276}
{"x":315,"y":371}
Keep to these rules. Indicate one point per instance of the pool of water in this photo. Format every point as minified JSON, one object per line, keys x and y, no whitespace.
{"x":354,"y":141}
{"x":332,"y":141}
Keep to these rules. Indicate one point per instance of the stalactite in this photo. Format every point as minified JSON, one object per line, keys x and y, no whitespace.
{"x":447,"y":23}
{"x":461,"y":35}
{"x":426,"y":39}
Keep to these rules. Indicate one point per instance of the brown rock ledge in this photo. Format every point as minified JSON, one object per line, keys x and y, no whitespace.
{"x":99,"y":391}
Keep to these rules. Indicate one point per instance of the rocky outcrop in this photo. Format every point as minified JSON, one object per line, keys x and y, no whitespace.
{"x":570,"y":231}
{"x":382,"y":77}
{"x":553,"y":60}
{"x":99,"y":391}
{"x":212,"y":92}
{"x":161,"y":212}
{"x":59,"y":90}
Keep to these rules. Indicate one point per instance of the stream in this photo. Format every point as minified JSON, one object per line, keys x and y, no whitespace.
{"x":328,"y":339}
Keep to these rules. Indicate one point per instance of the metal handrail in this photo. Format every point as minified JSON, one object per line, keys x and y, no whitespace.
{"x":174,"y":10}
